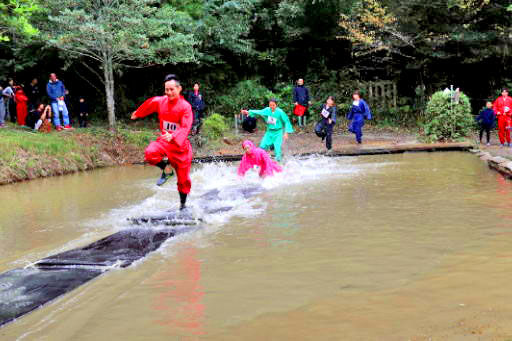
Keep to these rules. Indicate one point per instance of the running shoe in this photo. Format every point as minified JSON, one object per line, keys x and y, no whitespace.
{"x":164,"y":177}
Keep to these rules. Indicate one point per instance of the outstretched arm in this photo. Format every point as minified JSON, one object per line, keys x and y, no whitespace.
{"x":148,"y":107}
{"x":263,"y":112}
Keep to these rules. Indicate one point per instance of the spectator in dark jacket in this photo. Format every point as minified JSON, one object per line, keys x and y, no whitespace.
{"x":83,"y":113}
{"x":56,"y":91}
{"x":486,"y":120}
{"x":195,"y":98}
{"x":327,"y":121}
{"x":33,"y":94}
{"x":302,"y":101}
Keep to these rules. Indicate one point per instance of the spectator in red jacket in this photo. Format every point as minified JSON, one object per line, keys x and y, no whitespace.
{"x":503,"y":109}
{"x":21,"y":106}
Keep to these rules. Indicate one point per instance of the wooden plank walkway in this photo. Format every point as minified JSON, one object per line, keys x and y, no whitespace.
{"x":360,"y":150}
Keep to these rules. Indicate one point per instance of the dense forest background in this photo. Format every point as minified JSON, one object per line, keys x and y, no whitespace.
{"x":244,"y":50}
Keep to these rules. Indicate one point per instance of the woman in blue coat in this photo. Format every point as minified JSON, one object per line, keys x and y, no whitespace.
{"x":359,"y":112}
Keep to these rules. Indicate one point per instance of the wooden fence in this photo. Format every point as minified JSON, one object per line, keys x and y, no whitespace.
{"x":381,"y":93}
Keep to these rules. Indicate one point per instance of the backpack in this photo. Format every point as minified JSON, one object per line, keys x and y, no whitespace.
{"x":320,"y":129}
{"x":249,"y":124}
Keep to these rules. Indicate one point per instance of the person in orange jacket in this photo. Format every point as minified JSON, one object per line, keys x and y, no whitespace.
{"x":172,"y":148}
{"x":503,"y":109}
{"x":21,"y":106}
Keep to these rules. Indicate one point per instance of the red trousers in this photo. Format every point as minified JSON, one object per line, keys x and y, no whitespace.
{"x":503,"y":132}
{"x":157,"y":150}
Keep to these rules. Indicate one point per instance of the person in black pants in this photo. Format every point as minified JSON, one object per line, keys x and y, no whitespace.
{"x":486,"y":119}
{"x":83,"y":113}
{"x":195,"y":98}
{"x":33,"y":94}
{"x":326,"y":124}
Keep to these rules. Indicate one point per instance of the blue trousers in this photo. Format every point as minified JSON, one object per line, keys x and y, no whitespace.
{"x":2,"y":112}
{"x":56,"y":114}
{"x":356,"y":127}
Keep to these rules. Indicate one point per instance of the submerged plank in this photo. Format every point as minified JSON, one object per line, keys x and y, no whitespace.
{"x":24,"y":290}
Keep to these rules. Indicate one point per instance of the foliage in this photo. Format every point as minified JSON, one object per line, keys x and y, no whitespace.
{"x":214,"y":126}
{"x":15,"y":18}
{"x":119,"y":33}
{"x":247,"y":94}
{"x":368,"y":25}
{"x":447,"y":120}
{"x":332,"y":44}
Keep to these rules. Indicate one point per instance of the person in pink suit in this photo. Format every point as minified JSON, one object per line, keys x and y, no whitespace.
{"x":255,"y":156}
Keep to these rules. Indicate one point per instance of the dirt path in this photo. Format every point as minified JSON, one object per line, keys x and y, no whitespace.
{"x":305,"y":141}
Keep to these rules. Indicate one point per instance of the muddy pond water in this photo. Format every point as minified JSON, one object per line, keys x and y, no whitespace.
{"x":400,"y":247}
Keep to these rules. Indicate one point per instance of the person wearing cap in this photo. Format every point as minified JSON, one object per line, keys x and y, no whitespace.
{"x":503,"y":109}
{"x":278,"y":126}
{"x":172,"y":148}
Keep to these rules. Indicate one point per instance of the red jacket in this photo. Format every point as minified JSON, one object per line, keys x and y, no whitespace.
{"x":175,"y":117}
{"x":21,"y":98}
{"x":500,"y":104}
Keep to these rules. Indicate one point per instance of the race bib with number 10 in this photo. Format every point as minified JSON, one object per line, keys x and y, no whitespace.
{"x":170,"y":126}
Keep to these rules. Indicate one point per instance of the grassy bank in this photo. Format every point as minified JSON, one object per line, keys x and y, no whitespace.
{"x":26,"y":155}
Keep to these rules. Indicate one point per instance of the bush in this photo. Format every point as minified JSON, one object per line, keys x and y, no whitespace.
{"x":446,"y":120}
{"x":214,"y":126}
{"x":248,"y":94}
{"x":284,"y":96}
{"x":401,"y":116}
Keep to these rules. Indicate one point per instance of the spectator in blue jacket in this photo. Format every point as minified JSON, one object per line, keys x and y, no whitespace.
{"x":486,"y":119}
{"x":302,"y":101}
{"x":56,"y":91}
{"x":359,"y":112}
{"x":195,"y":98}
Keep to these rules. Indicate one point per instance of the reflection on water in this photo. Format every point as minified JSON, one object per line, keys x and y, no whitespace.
{"x":179,"y":305}
{"x":401,"y":247}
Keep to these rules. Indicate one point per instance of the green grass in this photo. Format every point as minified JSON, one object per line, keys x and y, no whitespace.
{"x":140,"y":138}
{"x":11,"y":140}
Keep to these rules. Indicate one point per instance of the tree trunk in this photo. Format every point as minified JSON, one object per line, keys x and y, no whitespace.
{"x":108,"y":73}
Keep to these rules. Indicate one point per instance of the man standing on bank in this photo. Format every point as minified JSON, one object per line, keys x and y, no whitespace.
{"x":172,"y":148}
{"x":503,"y":109}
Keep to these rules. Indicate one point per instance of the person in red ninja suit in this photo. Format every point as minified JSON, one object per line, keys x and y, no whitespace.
{"x":503,"y":109}
{"x":172,"y":148}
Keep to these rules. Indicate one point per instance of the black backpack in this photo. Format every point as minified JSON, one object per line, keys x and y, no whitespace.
{"x":249,"y":124}
{"x":320,"y":129}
